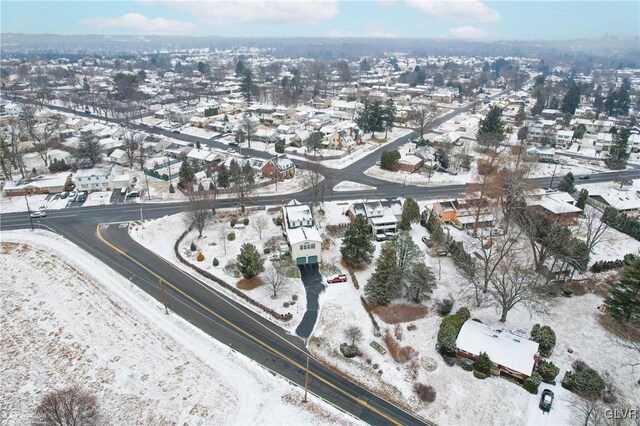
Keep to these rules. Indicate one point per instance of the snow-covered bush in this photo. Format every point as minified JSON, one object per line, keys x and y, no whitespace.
{"x":531,"y":384}
{"x":231,"y":236}
{"x":215,"y":261}
{"x":349,"y":351}
{"x":586,"y":382}
{"x":445,"y":306}
{"x":547,"y":370}
{"x":200,"y":257}
{"x":545,"y":337}
{"x":193,"y":247}
{"x":483,"y":363}
{"x":426,"y":393}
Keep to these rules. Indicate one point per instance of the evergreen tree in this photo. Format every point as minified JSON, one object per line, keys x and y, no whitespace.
{"x":491,"y":130}
{"x":382,"y":286}
{"x":389,"y":113}
{"x":567,"y":184}
{"x":186,"y":174}
{"x":520,"y":116}
{"x":314,"y":142}
{"x":88,"y":150}
{"x":623,"y":301}
{"x":224,"y":177}
{"x":582,"y":199}
{"x":420,"y":284}
{"x":579,"y":131}
{"x":247,"y":86}
{"x":364,"y":65}
{"x":571,"y":99}
{"x":239,"y":68}
{"x":618,"y":154}
{"x":407,"y":253}
{"x":371,"y":117}
{"x":389,"y":159}
{"x":357,"y":248}
{"x":249,"y":261}
{"x":410,"y":214}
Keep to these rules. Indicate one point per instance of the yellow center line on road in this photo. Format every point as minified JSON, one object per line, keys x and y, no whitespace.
{"x":246,"y":333}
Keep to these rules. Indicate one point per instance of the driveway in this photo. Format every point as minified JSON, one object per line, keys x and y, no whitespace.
{"x":313,"y":285}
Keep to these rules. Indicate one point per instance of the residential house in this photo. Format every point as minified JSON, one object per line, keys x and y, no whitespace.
{"x":119,"y":156}
{"x":280,"y":167}
{"x":221,"y":126}
{"x":464,"y":212}
{"x":52,"y":184}
{"x":383,"y":216}
{"x":564,"y":137}
{"x":557,"y":205}
{"x":409,"y":163}
{"x":304,"y":239}
{"x":622,"y":201}
{"x":96,"y":179}
{"x":512,"y":354}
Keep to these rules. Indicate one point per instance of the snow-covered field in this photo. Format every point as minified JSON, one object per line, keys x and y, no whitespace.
{"x":68,"y":319}
{"x":161,"y":234}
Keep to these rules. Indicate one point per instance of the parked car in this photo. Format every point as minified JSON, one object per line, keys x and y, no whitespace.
{"x":342,"y":278}
{"x":73,"y":196}
{"x":133,"y":194}
{"x":176,"y":131}
{"x":427,"y":241}
{"x":231,"y":150}
{"x":234,"y":144}
{"x":585,"y":177}
{"x":38,"y":213}
{"x":82,"y":197}
{"x":123,"y":190}
{"x":64,"y":195}
{"x":546,"y":400}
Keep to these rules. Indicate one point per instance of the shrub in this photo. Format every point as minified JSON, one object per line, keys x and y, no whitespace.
{"x":531,"y":383}
{"x":547,"y":370}
{"x":349,"y":351}
{"x":449,"y":329}
{"x":277,"y":221}
{"x":285,"y":304}
{"x":426,"y":393}
{"x":545,"y":337}
{"x":466,"y":364}
{"x":579,"y":365}
{"x":246,"y":221}
{"x":586,"y":382}
{"x":483,"y":363}
{"x":279,"y":146}
{"x":200,"y":257}
{"x":294,"y":297}
{"x":400,"y":354}
{"x":606,"y":265}
{"x":450,"y":360}
{"x":445,"y":306}
{"x":231,"y":236}
{"x":479,"y":375}
{"x":233,"y":222}
{"x":193,"y":247}
{"x":215,"y":261}
{"x":171,"y":189}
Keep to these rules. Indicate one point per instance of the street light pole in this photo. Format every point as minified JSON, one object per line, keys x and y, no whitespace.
{"x":552,"y":176}
{"x":164,"y":299}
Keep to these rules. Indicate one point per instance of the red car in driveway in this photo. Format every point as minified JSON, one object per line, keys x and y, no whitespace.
{"x":342,"y":278}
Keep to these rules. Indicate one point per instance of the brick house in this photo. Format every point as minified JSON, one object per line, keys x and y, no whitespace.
{"x":280,"y":167}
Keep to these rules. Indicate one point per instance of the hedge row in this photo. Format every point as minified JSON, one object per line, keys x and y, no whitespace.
{"x":621,"y":222}
{"x":276,"y":315}
{"x":607,"y":265}
{"x":449,"y":329}
{"x":366,"y":308}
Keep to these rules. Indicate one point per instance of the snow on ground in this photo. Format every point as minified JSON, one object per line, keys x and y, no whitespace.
{"x":161,"y":234}
{"x":461,"y":398}
{"x":352,"y":186}
{"x":420,"y":178}
{"x":18,"y":204}
{"x":69,"y":319}
{"x":98,"y":198}
{"x":33,"y":159}
{"x":199,"y":132}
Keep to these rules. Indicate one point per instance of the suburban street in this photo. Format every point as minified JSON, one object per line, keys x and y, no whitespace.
{"x":102,"y":232}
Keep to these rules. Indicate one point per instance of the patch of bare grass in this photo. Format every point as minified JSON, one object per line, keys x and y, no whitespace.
{"x":400,"y":312}
{"x":251,"y":284}
{"x":620,"y":329}
{"x":400,"y":354}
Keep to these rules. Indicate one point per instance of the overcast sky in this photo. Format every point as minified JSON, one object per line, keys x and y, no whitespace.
{"x":470,"y":20}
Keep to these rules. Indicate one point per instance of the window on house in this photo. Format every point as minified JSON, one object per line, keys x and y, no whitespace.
{"x":307,"y":246}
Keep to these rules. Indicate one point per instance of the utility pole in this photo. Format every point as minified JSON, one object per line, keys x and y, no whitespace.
{"x":29,"y":212}
{"x":164,"y":298}
{"x":552,"y":176}
{"x":306,"y":382}
{"x":141,"y":219}
{"x":146,"y":179}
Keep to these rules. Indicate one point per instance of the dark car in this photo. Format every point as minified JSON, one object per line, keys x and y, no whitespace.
{"x":176,"y":131}
{"x":342,"y":278}
{"x":546,"y":400}
{"x":82,"y":197}
{"x":585,"y":177}
{"x":64,"y":195}
{"x":234,"y":144}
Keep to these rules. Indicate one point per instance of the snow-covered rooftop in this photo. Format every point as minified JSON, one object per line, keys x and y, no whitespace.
{"x":303,"y":233}
{"x":503,"y":347}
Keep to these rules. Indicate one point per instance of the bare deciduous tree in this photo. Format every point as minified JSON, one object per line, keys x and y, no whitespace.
{"x":258,"y":224}
{"x":70,"y":406}
{"x":248,"y":126}
{"x":512,"y":284}
{"x":353,"y":333}
{"x":222,"y":238}
{"x":42,"y":135}
{"x":275,"y":281}
{"x":312,"y":179}
{"x":423,"y":118}
{"x":199,"y":210}
{"x":594,"y":227}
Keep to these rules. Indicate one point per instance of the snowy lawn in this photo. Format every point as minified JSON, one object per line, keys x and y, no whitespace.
{"x":18,"y":204}
{"x":99,"y":198}
{"x":68,"y":319}
{"x":161,"y":234}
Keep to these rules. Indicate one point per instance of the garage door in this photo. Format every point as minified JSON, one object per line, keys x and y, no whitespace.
{"x":301,"y":260}
{"x":312,"y":259}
